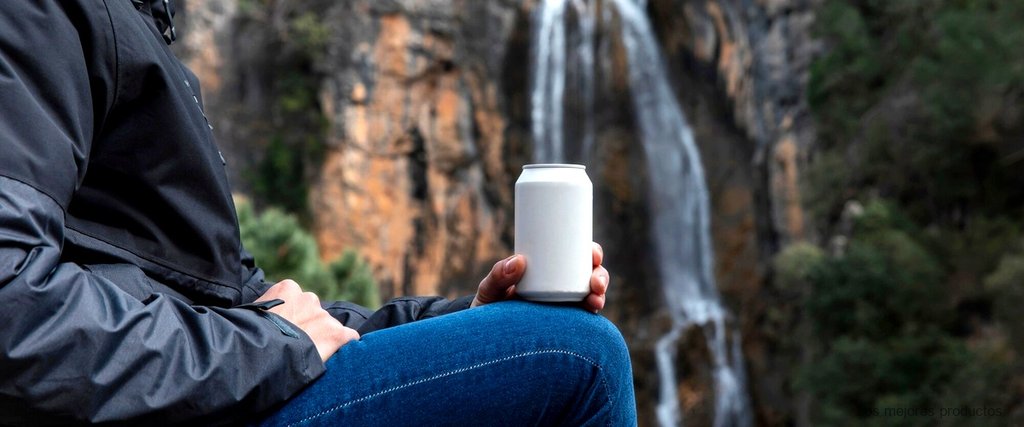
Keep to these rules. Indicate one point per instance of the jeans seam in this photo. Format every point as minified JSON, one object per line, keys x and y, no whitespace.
{"x":459,"y":371}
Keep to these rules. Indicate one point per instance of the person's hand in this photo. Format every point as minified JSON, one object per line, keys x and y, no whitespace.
{"x":303,"y":310}
{"x":599,"y":279}
{"x":500,"y":283}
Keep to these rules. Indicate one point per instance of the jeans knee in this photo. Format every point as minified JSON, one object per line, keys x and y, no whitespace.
{"x":587,"y":334}
{"x":605,"y":336}
{"x":603,"y":363}
{"x":597,"y":340}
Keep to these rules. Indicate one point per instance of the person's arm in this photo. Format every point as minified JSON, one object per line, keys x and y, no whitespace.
{"x":255,"y":285}
{"x":409,"y":309}
{"x":74,"y":347}
{"x":396,"y":312}
{"x":499,"y":285}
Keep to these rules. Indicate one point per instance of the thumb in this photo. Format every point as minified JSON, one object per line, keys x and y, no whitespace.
{"x":505,"y":274}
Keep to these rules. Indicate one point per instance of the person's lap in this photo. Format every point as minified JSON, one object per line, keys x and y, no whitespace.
{"x":511,"y":363}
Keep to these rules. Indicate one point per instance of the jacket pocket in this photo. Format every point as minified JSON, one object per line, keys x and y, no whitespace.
{"x":128,"y":277}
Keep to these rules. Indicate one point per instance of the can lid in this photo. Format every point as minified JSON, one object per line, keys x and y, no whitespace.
{"x":554,"y":165}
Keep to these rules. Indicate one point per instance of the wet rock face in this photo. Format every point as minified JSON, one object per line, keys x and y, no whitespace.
{"x":756,"y":55}
{"x":749,"y":62}
{"x":428,"y":122}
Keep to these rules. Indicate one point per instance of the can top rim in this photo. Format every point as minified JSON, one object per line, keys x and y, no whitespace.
{"x":554,"y":165}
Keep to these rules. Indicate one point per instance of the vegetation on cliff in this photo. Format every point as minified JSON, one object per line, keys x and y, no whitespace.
{"x":295,"y":126}
{"x":293,"y":139}
{"x":911,"y":301}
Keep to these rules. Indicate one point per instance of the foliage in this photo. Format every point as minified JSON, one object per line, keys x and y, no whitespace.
{"x":279,"y":178}
{"x":921,"y":98}
{"x":918,"y":110}
{"x":783,"y":323}
{"x":296,"y":127}
{"x":355,"y":281}
{"x":885,"y":330}
{"x":310,"y":34}
{"x":248,"y":7}
{"x":284,"y":250}
{"x":794,"y":265}
{"x":1006,"y":285}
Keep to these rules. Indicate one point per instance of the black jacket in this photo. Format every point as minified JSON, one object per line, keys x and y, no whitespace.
{"x":124,"y":284}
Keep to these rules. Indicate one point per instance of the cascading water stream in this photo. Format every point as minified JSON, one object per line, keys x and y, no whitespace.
{"x":678,"y":194}
{"x":549,"y":83}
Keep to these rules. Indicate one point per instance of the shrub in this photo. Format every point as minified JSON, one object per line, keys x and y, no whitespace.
{"x":284,"y":250}
{"x":882,"y":324}
{"x":1006,"y":285}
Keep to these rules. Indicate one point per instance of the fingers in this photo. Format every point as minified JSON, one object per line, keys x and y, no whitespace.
{"x":303,"y":310}
{"x":510,"y":293}
{"x":283,"y":290}
{"x":500,"y":282}
{"x":594,"y":302}
{"x":599,"y":281}
{"x":327,"y":333}
{"x":330,"y":335}
{"x":598,"y":290}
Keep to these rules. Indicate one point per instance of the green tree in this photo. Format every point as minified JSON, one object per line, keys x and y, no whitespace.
{"x":918,"y":108}
{"x":284,"y":250}
{"x":920,"y":98}
{"x":884,"y":328}
{"x":354,"y":279}
{"x":1006,"y":285}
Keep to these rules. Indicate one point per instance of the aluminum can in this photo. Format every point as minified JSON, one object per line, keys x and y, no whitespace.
{"x":554,"y":209}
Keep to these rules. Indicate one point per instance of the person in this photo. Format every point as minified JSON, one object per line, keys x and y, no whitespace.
{"x":129,"y":299}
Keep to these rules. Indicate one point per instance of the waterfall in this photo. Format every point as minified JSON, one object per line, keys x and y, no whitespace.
{"x":549,"y":83}
{"x":678,"y":194}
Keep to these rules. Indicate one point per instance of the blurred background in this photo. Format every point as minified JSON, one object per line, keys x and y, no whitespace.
{"x":813,"y":210}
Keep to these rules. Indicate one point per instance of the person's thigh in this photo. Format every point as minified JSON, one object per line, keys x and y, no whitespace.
{"x":510,"y":363}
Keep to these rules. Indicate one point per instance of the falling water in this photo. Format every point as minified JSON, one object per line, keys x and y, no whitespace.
{"x":678,"y":194}
{"x":549,"y":83}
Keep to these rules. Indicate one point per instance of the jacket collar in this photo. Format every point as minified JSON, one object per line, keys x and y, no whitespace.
{"x":163,"y":15}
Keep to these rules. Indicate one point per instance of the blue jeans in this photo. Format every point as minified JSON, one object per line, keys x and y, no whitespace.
{"x":510,"y":363}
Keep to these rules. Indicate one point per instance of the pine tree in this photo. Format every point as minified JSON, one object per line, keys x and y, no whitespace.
{"x":284,"y":250}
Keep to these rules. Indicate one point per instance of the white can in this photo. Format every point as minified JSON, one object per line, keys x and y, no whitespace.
{"x":554,"y":230}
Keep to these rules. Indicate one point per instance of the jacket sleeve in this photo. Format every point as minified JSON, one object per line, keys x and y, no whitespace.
{"x":409,"y":309}
{"x":255,"y":284}
{"x":396,"y":312}
{"x":74,"y":347}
